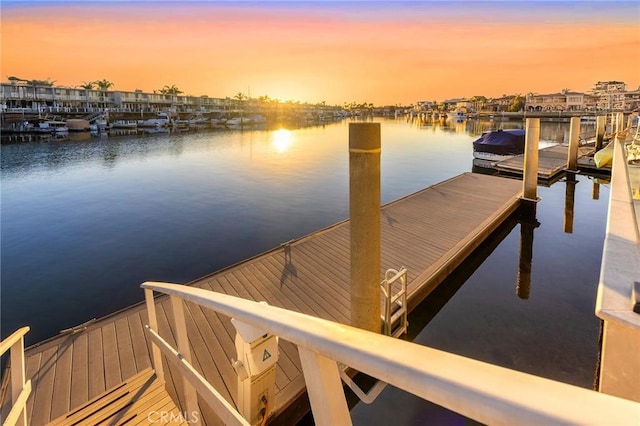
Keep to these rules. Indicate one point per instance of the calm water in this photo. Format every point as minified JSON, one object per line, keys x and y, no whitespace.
{"x":85,"y":222}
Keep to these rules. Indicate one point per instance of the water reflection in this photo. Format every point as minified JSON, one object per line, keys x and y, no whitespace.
{"x":550,"y":132}
{"x":569,"y":201}
{"x":281,"y":140}
{"x":528,"y":223}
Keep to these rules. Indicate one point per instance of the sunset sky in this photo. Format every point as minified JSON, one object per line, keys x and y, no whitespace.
{"x":381,"y":52}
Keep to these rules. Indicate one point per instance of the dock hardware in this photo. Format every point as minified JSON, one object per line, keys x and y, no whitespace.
{"x":394,"y":315}
{"x":78,"y":328}
{"x":257,"y":353}
{"x":394,"y":324}
{"x":366,"y":397}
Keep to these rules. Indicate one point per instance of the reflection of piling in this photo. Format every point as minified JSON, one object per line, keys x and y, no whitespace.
{"x":595,"y":191}
{"x":530,"y":175}
{"x":601,"y":125}
{"x":364,"y":212}
{"x":574,"y":140}
{"x":569,"y":200}
{"x":528,"y":223}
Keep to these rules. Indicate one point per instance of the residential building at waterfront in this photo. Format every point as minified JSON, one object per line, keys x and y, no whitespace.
{"x":15,"y":96}
{"x":604,"y":96}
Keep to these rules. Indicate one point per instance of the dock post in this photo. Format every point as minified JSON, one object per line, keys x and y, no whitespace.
{"x":530,"y":175}
{"x":574,"y":141}
{"x":364,"y":213}
{"x":601,"y":126}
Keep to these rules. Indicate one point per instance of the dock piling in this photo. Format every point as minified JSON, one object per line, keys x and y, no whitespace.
{"x":574,"y":141}
{"x":530,"y":175}
{"x":601,"y":126}
{"x":364,"y":212}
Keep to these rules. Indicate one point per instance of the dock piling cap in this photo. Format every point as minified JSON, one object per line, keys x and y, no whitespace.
{"x":247,"y":332}
{"x":364,"y":137}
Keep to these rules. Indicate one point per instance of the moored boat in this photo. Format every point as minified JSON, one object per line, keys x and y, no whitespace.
{"x":496,"y":145}
{"x":162,"y":120}
{"x":603,"y":156}
{"x":53,"y":126}
{"x":124,"y":124}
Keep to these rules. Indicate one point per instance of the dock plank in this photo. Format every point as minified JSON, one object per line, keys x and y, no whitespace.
{"x":79,"y":371}
{"x":96,"y":383}
{"x":31,"y":370}
{"x":43,"y":381}
{"x":112,"y":367}
{"x":125,"y":348}
{"x":141,"y":350}
{"x":429,"y":232}
{"x":61,"y":395}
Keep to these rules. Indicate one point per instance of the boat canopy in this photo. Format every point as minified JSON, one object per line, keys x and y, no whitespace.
{"x":502,"y":142}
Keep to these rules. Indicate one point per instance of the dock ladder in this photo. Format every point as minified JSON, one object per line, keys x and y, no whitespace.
{"x":394,"y":294}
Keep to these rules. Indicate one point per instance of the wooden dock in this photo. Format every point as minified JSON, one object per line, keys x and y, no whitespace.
{"x":430,"y":233}
{"x":551,"y":161}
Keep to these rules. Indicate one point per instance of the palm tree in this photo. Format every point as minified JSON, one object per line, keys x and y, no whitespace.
{"x":517,"y":103}
{"x":565,"y":91}
{"x":170,"y":90}
{"x":87,"y":86}
{"x":240,"y":96}
{"x":103,"y":84}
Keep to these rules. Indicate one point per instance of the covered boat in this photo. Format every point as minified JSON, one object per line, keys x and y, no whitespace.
{"x":499,"y":144}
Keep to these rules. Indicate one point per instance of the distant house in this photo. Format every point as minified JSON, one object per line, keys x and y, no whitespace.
{"x":501,"y":104}
{"x":610,"y":95}
{"x":563,"y":101}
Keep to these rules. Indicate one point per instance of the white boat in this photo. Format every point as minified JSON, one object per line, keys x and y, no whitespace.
{"x":246,"y":121}
{"x":218,"y":122}
{"x":53,"y":126}
{"x":124,"y":124}
{"x":162,"y":120}
{"x":456,"y":115}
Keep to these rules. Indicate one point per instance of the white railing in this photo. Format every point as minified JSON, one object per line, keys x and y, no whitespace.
{"x":481,"y":391}
{"x":20,"y":389}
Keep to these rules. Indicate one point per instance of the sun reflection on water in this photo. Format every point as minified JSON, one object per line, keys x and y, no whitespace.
{"x":281,"y":140}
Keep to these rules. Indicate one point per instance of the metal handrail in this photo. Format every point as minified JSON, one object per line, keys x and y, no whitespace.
{"x":20,"y":390}
{"x":481,"y":391}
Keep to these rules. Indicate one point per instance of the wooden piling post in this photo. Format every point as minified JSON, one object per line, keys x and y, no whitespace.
{"x":619,"y":124}
{"x":601,"y":126}
{"x":574,"y":141}
{"x":530,"y":175}
{"x":364,"y":212}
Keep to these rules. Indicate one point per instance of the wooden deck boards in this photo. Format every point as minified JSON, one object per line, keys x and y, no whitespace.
{"x":139,"y":400}
{"x":429,"y":232}
{"x":551,"y":161}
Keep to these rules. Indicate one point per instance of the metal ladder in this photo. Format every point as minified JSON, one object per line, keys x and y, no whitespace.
{"x":394,"y":292}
